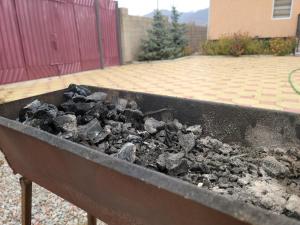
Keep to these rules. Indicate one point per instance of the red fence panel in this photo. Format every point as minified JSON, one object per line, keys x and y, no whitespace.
{"x":68,"y":55}
{"x":38,"y":36}
{"x":108,"y":19}
{"x":87,"y":34}
{"x":12,"y":65}
{"x":42,"y":38}
{"x":49,"y":37}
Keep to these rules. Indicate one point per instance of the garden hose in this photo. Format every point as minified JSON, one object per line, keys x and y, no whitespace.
{"x":291,"y":74}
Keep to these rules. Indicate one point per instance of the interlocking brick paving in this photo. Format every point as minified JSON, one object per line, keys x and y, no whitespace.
{"x":257,"y":81}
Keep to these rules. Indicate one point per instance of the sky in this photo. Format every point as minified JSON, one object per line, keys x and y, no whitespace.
{"x":142,"y":7}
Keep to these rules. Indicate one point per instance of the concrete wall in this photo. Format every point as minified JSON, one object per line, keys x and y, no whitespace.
{"x":134,"y":30}
{"x":254,"y":17}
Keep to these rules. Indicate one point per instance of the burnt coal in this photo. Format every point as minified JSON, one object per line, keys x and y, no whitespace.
{"x":293,"y":207}
{"x":127,"y":152}
{"x":186,"y":141}
{"x":80,"y":90}
{"x":66,"y":123}
{"x":28,"y":111}
{"x":38,"y":110}
{"x":173,"y":164}
{"x":267,"y":178}
{"x":196,"y":129}
{"x":134,"y":116}
{"x":92,"y":132}
{"x":152,"y":125}
{"x":97,"y":97}
{"x":274,"y":168}
{"x":121,"y":104}
{"x":132,"y":105}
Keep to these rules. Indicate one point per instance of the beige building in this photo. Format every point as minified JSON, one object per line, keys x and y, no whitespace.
{"x":258,"y":18}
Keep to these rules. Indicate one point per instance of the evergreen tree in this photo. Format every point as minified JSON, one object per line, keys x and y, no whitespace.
{"x":159,"y":44}
{"x":177,"y":33}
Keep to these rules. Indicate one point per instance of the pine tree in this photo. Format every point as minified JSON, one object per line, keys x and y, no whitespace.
{"x":177,"y":33}
{"x":159,"y":43}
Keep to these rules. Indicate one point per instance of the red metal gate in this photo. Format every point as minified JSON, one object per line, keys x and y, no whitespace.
{"x":87,"y":34}
{"x":108,"y":18}
{"x":12,"y":65}
{"x":67,"y":37}
{"x":49,"y":37}
{"x":42,"y":38}
{"x":38,"y":37}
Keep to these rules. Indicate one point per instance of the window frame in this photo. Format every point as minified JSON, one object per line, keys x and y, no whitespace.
{"x":282,"y":18}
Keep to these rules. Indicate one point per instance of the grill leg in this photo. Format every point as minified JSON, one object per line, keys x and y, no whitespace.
{"x":26,"y":198}
{"x":91,"y":220}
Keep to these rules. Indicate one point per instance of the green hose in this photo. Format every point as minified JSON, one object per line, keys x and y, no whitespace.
{"x":291,"y":74}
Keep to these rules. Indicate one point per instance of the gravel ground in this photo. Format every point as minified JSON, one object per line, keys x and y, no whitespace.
{"x":47,"y":208}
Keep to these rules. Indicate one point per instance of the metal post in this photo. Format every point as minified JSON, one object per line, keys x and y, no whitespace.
{"x":91,"y":220}
{"x":98,"y":24}
{"x":26,"y":200}
{"x":119,"y":38}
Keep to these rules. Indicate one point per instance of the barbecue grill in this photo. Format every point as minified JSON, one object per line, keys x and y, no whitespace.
{"x":118,"y":192}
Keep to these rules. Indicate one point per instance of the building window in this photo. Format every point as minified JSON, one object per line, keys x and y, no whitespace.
{"x":282,"y":9}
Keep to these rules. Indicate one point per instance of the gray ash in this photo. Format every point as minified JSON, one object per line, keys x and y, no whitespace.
{"x":267,"y":178}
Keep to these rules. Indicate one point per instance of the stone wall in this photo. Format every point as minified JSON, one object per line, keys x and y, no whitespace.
{"x":134,"y":30}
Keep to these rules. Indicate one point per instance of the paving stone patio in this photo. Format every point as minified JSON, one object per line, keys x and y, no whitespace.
{"x":257,"y":81}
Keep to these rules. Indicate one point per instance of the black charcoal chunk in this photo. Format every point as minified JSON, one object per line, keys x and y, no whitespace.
{"x":29,"y":110}
{"x":134,"y":116}
{"x":132,"y":105}
{"x":66,"y":123}
{"x":174,"y":164}
{"x":127,"y":152}
{"x":186,"y":141}
{"x":209,"y":143}
{"x":38,"y":110}
{"x":293,"y":207}
{"x":152,"y":125}
{"x":91,"y":131}
{"x":80,"y":90}
{"x":97,"y":97}
{"x":196,"y":129}
{"x":273,"y":167}
{"x":121,"y":104}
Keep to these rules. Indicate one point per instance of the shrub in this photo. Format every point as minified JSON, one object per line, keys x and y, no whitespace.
{"x":256,"y":47}
{"x":266,"y":46}
{"x":242,"y":44}
{"x":227,"y":45}
{"x":220,"y":47}
{"x":239,"y":44}
{"x":223,"y":46}
{"x":210,"y":48}
{"x":282,"y":46}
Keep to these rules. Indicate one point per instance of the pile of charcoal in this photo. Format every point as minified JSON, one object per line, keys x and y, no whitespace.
{"x":268,"y":178}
